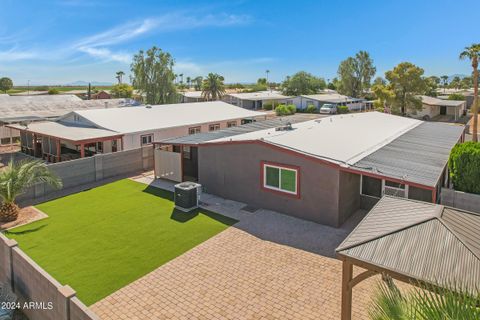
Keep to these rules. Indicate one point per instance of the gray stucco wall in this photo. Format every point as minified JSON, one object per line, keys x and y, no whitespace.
{"x":349,"y":195}
{"x":233,"y":171}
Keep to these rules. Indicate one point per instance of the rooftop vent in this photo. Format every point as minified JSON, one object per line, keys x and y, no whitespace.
{"x":148,"y":106}
{"x":286,"y":127}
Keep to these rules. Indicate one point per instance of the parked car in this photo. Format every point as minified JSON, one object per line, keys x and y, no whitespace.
{"x":328,"y":109}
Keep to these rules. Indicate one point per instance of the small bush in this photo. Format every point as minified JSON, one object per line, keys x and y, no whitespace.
{"x":342,"y":109}
{"x":268,"y":106}
{"x":456,"y":96}
{"x":53,"y":91}
{"x":284,"y":110}
{"x":464,"y":167}
{"x":311,"y":109}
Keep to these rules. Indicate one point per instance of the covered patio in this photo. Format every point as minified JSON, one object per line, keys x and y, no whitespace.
{"x":414,"y":242}
{"x":56,"y":141}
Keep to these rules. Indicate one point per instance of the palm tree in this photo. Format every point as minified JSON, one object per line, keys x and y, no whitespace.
{"x":213,"y":87}
{"x":197,"y":83}
{"x":189,"y":82}
{"x":473,"y":54}
{"x":445,"y":82}
{"x":16,"y":178}
{"x":266,"y":73}
{"x":181,"y":78}
{"x":423,"y":303}
{"x":119,"y":76}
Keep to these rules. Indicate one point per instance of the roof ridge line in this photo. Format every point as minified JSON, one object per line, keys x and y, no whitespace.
{"x":460,"y":238}
{"x":385,"y":234}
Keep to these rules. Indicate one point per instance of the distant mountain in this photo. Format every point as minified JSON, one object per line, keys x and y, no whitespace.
{"x":81,"y":83}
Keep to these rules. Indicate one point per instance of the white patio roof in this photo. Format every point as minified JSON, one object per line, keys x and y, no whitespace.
{"x":260,"y":95}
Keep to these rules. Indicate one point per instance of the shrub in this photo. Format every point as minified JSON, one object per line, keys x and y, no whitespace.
{"x":464,"y":167}
{"x":284,"y":110}
{"x":342,"y":109}
{"x":456,"y":96}
{"x":267,"y":106}
{"x":311,"y":109}
{"x":53,"y":91}
{"x":292,"y":108}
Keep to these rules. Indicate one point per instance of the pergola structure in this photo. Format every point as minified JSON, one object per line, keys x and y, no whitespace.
{"x":56,"y":141}
{"x":414,"y":242}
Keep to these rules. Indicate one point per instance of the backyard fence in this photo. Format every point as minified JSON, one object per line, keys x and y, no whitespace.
{"x":460,"y":200}
{"x":80,"y":174}
{"x":41,"y":297}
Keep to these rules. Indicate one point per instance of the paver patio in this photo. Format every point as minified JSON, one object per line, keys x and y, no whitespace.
{"x":235,"y":275}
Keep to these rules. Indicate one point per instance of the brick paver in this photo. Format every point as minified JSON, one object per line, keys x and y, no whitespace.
{"x":235,"y":275}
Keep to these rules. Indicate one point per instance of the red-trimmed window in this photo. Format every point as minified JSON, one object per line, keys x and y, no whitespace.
{"x":280,"y":178}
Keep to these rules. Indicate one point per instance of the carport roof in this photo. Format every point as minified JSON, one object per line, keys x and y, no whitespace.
{"x":419,"y":240}
{"x":419,"y":155}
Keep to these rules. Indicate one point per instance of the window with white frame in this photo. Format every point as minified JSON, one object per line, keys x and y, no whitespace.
{"x":194,"y":130}
{"x":146,"y":139}
{"x":214,"y":127}
{"x":396,"y":189}
{"x":279,"y":178}
{"x":231,"y":124}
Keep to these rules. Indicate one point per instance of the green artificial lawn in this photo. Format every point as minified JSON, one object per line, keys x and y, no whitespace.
{"x":100,"y":240}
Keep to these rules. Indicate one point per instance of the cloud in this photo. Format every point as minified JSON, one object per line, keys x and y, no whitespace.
{"x":14,"y":54}
{"x":97,"y":45}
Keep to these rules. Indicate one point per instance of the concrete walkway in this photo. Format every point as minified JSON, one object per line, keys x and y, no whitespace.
{"x":267,"y":266}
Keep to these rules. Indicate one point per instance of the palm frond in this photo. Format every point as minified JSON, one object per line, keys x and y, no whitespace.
{"x":388,"y":303}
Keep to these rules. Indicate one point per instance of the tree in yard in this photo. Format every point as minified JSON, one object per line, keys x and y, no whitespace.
{"x":472,"y":53}
{"x":383,"y":93}
{"x":467,"y":83}
{"x":302,"y":83}
{"x":213,"y":87}
{"x":444,"y":82}
{"x":16,"y":178}
{"x":406,"y":83}
{"x":355,"y":75}
{"x":119,"y":76}
{"x":197,"y":83}
{"x":153,"y":76}
{"x":430,"y":87}
{"x":6,"y":84}
{"x":455,"y":83}
{"x":122,"y":90}
{"x":424,"y":302}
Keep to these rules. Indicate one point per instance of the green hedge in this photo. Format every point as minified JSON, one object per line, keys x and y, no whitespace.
{"x":285,"y":110}
{"x":464,"y":166}
{"x":311,"y":109}
{"x":342,"y":109}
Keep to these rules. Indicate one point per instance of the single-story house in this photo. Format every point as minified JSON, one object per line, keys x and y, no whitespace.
{"x":432,"y":107}
{"x":192,"y":96}
{"x":321,"y":170}
{"x":16,"y":109}
{"x":318,"y":100}
{"x":256,"y":100}
{"x":101,"y":95}
{"x":87,"y":132}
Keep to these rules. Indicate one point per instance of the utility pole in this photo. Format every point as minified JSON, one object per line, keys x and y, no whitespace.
{"x":267,"y":72}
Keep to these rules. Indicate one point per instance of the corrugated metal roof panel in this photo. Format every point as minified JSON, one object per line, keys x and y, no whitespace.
{"x":418,"y":156}
{"x":440,"y":245}
{"x":246,"y":128}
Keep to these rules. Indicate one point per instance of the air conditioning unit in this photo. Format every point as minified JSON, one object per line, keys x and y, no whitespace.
{"x":187,"y":196}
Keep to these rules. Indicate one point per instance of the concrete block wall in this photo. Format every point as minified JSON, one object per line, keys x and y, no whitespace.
{"x":460,"y":200}
{"x":79,"y":172}
{"x":40,"y":295}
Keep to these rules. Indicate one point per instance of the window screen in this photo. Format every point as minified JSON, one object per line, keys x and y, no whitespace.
{"x":280,"y":178}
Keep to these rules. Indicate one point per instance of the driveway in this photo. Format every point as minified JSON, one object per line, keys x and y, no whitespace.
{"x":267,"y":266}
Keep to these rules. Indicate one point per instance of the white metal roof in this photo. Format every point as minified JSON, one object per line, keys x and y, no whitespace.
{"x":138,"y":119}
{"x":342,"y":139}
{"x":192,"y":94}
{"x":65,"y":131}
{"x":47,"y":106}
{"x":440,"y":102}
{"x":260,"y":95}
{"x":330,"y":97}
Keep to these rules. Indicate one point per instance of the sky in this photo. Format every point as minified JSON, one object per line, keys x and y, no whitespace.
{"x":63,"y":41}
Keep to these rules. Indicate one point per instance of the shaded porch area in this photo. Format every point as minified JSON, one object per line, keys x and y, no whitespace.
{"x":56,"y":142}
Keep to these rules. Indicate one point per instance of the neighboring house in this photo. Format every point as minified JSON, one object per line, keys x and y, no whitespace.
{"x":321,"y":170}
{"x":433,"y":107}
{"x":256,"y":100}
{"x":16,"y":109}
{"x":318,"y":100}
{"x":192,"y":96}
{"x":101,"y":95}
{"x":85,"y":133}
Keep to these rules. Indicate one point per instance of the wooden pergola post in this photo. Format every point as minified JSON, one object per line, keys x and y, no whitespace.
{"x":347,"y":275}
{"x":82,"y":150}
